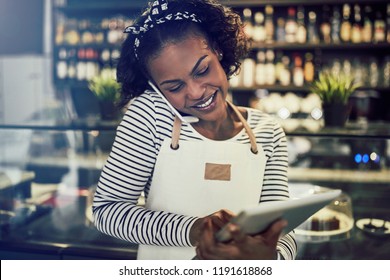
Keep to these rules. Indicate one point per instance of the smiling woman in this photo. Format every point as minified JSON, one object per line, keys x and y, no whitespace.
{"x":177,"y":59}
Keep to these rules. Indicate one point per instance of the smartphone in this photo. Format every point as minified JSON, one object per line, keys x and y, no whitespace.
{"x":187,"y":119}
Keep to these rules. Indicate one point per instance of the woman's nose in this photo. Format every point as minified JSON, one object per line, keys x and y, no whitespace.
{"x":196,"y":90}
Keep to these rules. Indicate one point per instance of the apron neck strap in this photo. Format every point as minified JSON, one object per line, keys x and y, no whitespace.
{"x":252,"y":138}
{"x":249,"y":131}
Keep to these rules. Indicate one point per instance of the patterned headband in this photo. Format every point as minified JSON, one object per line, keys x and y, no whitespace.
{"x":155,"y":18}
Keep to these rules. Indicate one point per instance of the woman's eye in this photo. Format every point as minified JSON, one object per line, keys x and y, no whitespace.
{"x":175,"y":89}
{"x":203,"y":71}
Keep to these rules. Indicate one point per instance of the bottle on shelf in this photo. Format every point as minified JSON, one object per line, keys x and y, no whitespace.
{"x":269,"y":23}
{"x":291,"y":26}
{"x":347,"y":67}
{"x":357,"y":26}
{"x":86,"y":36}
{"x":285,"y":73}
{"x":260,"y":69}
{"x":379,"y":27}
{"x":248,"y":72}
{"x":386,"y":72}
{"x":248,"y":25}
{"x":270,"y":67}
{"x":259,"y":34}
{"x":72,"y":61}
{"x":336,"y":67}
{"x":60,"y":30}
{"x":359,"y":71}
{"x":308,"y":68}
{"x":92,"y":66}
{"x":298,"y":74}
{"x":81,"y":66}
{"x":367,"y":25}
{"x":388,"y":23}
{"x":105,"y":57}
{"x":301,"y":29}
{"x":72,"y":35}
{"x":97,"y":33}
{"x":345,"y":30}
{"x":312,"y":30}
{"x":373,"y":74}
{"x":325,"y":26}
{"x":335,"y":25}
{"x":62,"y":65}
{"x":278,"y":65}
{"x":280,"y":30}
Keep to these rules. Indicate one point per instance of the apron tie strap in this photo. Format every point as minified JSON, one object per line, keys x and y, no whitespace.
{"x":252,"y":137}
{"x":176,"y":133}
{"x":177,"y":127}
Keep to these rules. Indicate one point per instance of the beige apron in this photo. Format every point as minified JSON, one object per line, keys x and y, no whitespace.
{"x":201,"y":177}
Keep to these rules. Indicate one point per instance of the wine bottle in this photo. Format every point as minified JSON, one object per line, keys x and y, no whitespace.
{"x":308,"y":68}
{"x":345,"y":31}
{"x":269,"y":23}
{"x":379,"y":28}
{"x":248,"y":25}
{"x":312,"y":31}
{"x":357,"y":26}
{"x":260,"y":69}
{"x":259,"y":34}
{"x":291,"y":25}
{"x":388,"y":23}
{"x":336,"y":25}
{"x":301,"y":30}
{"x":298,"y":74}
{"x":325,"y":25}
{"x":270,"y":67}
{"x":367,"y":25}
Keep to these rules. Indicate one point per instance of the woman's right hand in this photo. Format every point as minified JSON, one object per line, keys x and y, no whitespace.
{"x":218,"y":219}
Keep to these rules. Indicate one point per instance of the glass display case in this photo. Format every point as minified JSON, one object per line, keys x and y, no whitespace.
{"x":49,"y":169}
{"x":48,"y":173}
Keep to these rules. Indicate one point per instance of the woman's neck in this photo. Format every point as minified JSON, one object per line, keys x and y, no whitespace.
{"x":226,"y":128}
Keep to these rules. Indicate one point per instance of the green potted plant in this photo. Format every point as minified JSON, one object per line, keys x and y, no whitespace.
{"x":107,"y":91}
{"x":334,"y":91}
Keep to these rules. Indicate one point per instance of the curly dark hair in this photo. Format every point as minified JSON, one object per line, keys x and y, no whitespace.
{"x":220,"y":25}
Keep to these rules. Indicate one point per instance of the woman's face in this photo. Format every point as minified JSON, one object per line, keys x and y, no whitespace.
{"x":191,"y":78}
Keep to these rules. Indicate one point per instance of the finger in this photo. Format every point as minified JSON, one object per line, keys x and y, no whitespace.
{"x":227,"y":214}
{"x":207,"y":241}
{"x":237,"y":235}
{"x":273,"y":233}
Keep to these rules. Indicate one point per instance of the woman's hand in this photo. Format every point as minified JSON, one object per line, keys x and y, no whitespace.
{"x":218,"y":219}
{"x":242,"y":246}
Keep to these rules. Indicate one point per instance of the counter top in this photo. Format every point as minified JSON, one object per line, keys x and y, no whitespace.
{"x":64,"y":232}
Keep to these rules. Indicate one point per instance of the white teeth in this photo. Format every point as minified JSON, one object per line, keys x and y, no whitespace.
{"x":207,"y":103}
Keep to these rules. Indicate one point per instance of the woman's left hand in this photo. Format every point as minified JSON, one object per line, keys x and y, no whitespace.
{"x":242,"y":246}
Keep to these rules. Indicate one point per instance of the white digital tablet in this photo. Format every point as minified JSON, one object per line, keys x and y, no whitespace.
{"x":257,"y":219}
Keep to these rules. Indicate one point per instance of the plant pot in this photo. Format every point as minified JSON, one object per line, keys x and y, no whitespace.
{"x":108,"y":110}
{"x":335,"y":114}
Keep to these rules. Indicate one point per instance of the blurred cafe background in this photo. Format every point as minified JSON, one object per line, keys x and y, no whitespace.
{"x":57,"y":119}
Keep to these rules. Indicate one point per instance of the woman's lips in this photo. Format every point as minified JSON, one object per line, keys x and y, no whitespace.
{"x":205,"y":104}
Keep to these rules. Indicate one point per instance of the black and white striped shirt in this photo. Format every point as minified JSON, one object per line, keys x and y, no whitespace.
{"x":129,"y":169}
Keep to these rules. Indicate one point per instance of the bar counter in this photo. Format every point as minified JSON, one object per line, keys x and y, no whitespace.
{"x":65,"y":232}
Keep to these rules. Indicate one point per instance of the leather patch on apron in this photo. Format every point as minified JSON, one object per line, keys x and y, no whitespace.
{"x":218,"y":172}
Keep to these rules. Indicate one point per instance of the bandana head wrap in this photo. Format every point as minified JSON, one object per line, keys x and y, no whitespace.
{"x":159,"y":14}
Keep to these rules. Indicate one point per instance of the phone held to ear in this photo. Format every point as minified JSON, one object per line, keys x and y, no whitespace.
{"x":186,"y":119}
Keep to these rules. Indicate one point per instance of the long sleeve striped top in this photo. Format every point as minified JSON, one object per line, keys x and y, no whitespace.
{"x":129,"y":169}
